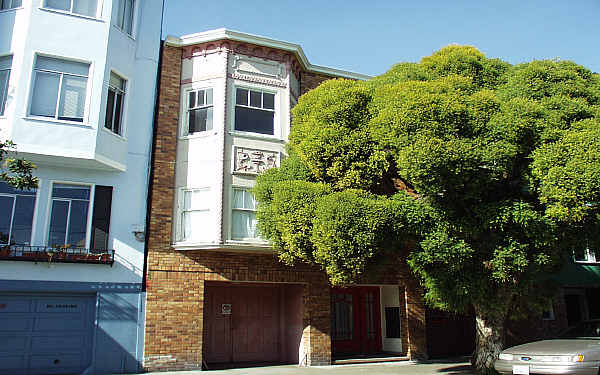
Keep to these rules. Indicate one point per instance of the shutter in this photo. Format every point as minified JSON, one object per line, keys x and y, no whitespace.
{"x":101,"y":217}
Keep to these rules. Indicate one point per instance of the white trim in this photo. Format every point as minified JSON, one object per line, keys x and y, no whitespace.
{"x":218,"y":34}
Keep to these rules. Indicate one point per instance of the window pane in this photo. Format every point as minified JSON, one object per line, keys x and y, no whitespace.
{"x":5,"y":62}
{"x":244,"y":225}
{"x":71,"y":191}
{"x":128,"y":17}
{"x":192,"y":99}
{"x":110,"y":107}
{"x":249,"y":202}
{"x":45,"y":93}
{"x":85,"y":7}
{"x":116,"y":81}
{"x":78,"y":223}
{"x":200,"y":98}
{"x":6,"y":188}
{"x":58,"y":65}
{"x":59,"y":4}
{"x":17,"y":3}
{"x":72,"y":99}
{"x":268,"y":101}
{"x":200,"y":120}
{"x":6,"y":209}
{"x":255,"y":99}
{"x":58,"y":223}
{"x":254,"y":120}
{"x":238,"y":198}
{"x":121,"y":13}
{"x":4,"y":76}
{"x":23,"y":220}
{"x":197,"y":200}
{"x":118,"y":113}
{"x":209,"y":96}
{"x":196,"y":225}
{"x":241,"y":97}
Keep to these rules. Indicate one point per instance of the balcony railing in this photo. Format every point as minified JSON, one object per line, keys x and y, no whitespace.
{"x":56,"y":254}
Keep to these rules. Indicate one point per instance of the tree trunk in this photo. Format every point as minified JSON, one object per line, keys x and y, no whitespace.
{"x":489,"y":341}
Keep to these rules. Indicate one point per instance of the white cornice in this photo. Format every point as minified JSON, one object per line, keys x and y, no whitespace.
{"x":220,"y":34}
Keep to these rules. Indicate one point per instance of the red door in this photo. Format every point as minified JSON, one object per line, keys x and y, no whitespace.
{"x":242,"y":323}
{"x":355,"y":320}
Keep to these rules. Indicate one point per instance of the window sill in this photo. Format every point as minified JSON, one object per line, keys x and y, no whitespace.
{"x":229,"y":246}
{"x":58,"y":11}
{"x":204,"y":134}
{"x":57,"y":121}
{"x":588,"y":262}
{"x":124,"y":33}
{"x":256,"y":136}
{"x":117,"y":136}
{"x":10,"y":9}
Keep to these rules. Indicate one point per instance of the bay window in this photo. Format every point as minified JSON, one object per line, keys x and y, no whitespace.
{"x":16,"y":215}
{"x":254,"y":111}
{"x":59,"y":89}
{"x":243,"y":215}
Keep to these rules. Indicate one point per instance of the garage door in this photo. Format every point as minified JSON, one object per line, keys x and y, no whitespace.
{"x":45,"y":334}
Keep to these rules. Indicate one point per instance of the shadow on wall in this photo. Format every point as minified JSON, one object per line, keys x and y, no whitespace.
{"x":117,"y":337}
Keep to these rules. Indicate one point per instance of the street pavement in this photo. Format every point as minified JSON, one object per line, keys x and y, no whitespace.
{"x":441,"y":367}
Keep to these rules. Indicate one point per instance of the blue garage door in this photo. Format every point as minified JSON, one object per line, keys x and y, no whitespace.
{"x":45,"y":334}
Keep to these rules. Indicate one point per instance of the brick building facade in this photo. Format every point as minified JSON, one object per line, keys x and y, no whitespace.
{"x":207,"y":291}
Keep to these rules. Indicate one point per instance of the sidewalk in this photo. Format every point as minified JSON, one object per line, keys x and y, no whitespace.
{"x":442,"y":367}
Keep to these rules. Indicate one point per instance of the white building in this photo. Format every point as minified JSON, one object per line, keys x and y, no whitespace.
{"x":77,"y":95}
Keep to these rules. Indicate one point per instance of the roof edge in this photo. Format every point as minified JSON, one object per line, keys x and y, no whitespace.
{"x":219,"y":34}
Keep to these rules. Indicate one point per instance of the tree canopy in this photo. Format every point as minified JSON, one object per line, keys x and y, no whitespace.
{"x":15,"y":171}
{"x":488,"y":172}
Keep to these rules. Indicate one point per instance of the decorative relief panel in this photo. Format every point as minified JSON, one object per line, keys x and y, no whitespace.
{"x":267,"y":72}
{"x":252,"y":161}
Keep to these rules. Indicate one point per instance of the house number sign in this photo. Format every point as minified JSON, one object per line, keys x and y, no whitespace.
{"x":226,"y":309}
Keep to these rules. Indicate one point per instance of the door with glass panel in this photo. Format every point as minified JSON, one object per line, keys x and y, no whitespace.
{"x":355,"y":321}
{"x":69,"y":216}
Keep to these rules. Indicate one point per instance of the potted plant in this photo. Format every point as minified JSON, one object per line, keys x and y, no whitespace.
{"x":5,"y":252}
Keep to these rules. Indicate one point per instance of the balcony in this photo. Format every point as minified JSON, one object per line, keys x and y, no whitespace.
{"x":49,"y":254}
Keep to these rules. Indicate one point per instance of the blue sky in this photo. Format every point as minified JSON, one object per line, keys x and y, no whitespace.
{"x":370,"y":36}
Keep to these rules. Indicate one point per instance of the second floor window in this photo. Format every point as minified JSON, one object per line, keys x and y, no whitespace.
{"x":5,"y":65}
{"x":60,"y":88}
{"x":125,"y":12}
{"x":195,"y":215}
{"x":114,"y":103}
{"x":82,"y":7}
{"x":254,"y":111}
{"x":8,"y":4}
{"x":243,"y":216}
{"x":16,"y":215}
{"x":200,"y":111}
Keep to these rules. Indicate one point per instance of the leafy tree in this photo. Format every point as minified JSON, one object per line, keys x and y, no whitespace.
{"x":16,"y":172}
{"x":489,"y":173}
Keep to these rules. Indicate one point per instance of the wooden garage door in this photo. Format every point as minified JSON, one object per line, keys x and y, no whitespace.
{"x":45,"y":334}
{"x":242,"y":323}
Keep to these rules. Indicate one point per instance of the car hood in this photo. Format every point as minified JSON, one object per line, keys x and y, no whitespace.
{"x":555,"y":347}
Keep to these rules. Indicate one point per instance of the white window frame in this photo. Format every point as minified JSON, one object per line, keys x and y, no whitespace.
{"x":4,"y":90}
{"x":181,"y":212}
{"x":12,"y":4}
{"x":89,"y":214}
{"x":589,"y":257}
{"x":12,"y":217}
{"x":256,"y":239}
{"x":120,"y":23}
{"x":123,"y":93}
{"x":275,"y":110}
{"x":70,"y":11}
{"x":188,"y":109}
{"x":62,"y":74}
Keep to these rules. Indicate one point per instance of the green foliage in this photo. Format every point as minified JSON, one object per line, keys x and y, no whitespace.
{"x":16,"y":172}
{"x":500,"y":165}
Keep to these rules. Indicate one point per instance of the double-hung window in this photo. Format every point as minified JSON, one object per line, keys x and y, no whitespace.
{"x":243,"y":216}
{"x":125,"y":12}
{"x":5,"y":65}
{"x":254,"y":111}
{"x":82,"y":7}
{"x":114,"y":103}
{"x":60,"y":88}
{"x":9,"y":4}
{"x":195,"y":215}
{"x":16,"y":215}
{"x":200,"y":111}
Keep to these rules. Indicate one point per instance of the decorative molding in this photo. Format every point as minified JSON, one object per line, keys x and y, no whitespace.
{"x":255,"y":79}
{"x":253,"y":161}
{"x":269,"y":69}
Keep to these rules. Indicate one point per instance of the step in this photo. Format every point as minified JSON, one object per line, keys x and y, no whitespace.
{"x":370,"y":359}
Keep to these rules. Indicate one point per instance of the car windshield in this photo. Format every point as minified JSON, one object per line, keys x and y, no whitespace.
{"x":583,"y":330}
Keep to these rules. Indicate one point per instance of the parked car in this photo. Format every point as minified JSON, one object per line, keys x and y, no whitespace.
{"x":576,"y":351}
